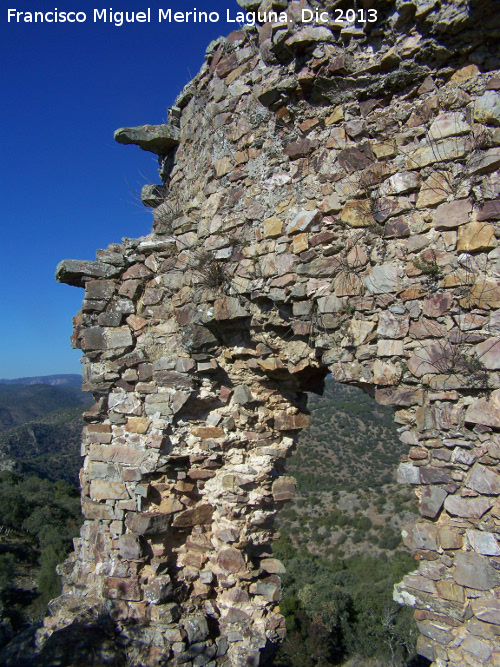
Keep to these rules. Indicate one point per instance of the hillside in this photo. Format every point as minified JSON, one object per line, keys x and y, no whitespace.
{"x":40,"y":429}
{"x":347,"y":501}
{"x":40,"y":434}
{"x":22,"y":403}
{"x":340,"y":539}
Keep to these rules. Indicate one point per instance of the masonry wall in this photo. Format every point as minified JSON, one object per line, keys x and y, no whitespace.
{"x":329,"y":203}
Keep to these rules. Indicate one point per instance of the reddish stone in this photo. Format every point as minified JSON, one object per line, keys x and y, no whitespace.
{"x":308,"y":124}
{"x":322,"y":237}
{"x":286,"y":422}
{"x":435,"y":476}
{"x":265,"y":32}
{"x":129,"y":546}
{"x":207,"y":432}
{"x":93,"y":339}
{"x":301,"y":328}
{"x":403,"y":396}
{"x":231,"y":560}
{"x":116,"y":588}
{"x":493,"y":84}
{"x":432,"y":501}
{"x":368,"y":106}
{"x":469,"y":508}
{"x":225,"y":394}
{"x":135,"y":322}
{"x":297,"y":149}
{"x":374,"y":174}
{"x":183,"y":486}
{"x":475,"y":571}
{"x":452,"y":214}
{"x":427,"y":329}
{"x":98,"y":428}
{"x":145,"y":372}
{"x":235,"y":36}
{"x":216,"y":59}
{"x":101,"y":489}
{"x":152,"y":296}
{"x":147,"y":523}
{"x":353,"y":159}
{"x":420,"y":536}
{"x":415,"y":292}
{"x":305,"y":78}
{"x":198,"y":473}
{"x":196,"y":516}
{"x":136,"y":271}
{"x":485,"y":410}
{"x":283,"y":114}
{"x":484,"y":480}
{"x":489,"y":211}
{"x":174,"y":380}
{"x":129,"y":288}
{"x":227,"y":65}
{"x":337,"y":66}
{"x":396,"y":228}
{"x":418,"y":453}
{"x":97,"y":511}
{"x":229,"y":308}
{"x":438,"y":304}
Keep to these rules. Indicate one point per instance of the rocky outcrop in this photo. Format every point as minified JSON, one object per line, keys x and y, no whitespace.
{"x":332,"y":206}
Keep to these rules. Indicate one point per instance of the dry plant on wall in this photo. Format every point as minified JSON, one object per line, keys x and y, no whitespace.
{"x":213,"y":277}
{"x":352,"y":262}
{"x":455,"y":358}
{"x":155,"y":196}
{"x":211,"y":273}
{"x":216,"y":275}
{"x":452,"y":352}
{"x":164,"y":215}
{"x":444,"y":165}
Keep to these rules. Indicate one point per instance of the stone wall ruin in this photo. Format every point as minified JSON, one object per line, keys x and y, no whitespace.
{"x":329,"y":203}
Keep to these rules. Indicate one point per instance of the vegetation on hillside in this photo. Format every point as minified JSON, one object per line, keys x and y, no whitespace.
{"x":340,"y":539}
{"x":40,"y":430}
{"x":22,"y":403}
{"x":38,"y":519}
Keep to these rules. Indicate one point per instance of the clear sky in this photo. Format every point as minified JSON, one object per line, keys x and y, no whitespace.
{"x":66,"y":185}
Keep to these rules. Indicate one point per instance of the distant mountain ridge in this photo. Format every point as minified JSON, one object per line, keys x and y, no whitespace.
{"x":63,"y":380}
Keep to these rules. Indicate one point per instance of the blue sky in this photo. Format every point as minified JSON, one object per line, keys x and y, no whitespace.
{"x":66,"y":185}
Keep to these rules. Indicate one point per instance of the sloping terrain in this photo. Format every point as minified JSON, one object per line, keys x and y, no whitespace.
{"x":40,"y":430}
{"x":340,"y":539}
{"x":40,"y":434}
{"x":48,"y":446}
{"x":347,"y":501}
{"x":21,"y":403}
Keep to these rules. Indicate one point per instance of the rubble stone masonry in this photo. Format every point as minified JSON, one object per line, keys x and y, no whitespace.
{"x":329,"y":203}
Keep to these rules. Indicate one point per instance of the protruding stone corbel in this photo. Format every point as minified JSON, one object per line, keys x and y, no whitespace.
{"x":77,"y":272}
{"x":159,"y":139}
